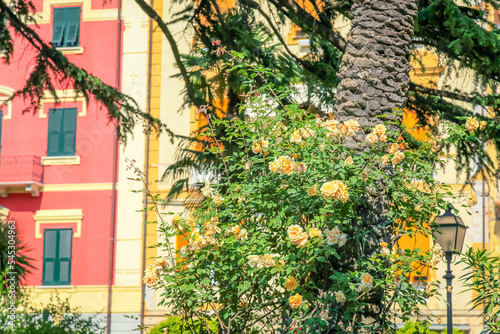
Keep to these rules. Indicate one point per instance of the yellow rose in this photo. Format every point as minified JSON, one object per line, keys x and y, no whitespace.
{"x":472,"y":199}
{"x":303,"y":241}
{"x":339,"y":297}
{"x":296,"y":137}
{"x":152,"y":270}
{"x":268,"y":261}
{"x":287,"y":165}
{"x":295,"y":233}
{"x":150,"y":280}
{"x":306,"y":133}
{"x":218,"y":199}
{"x":161,"y":262}
{"x":243,"y":234}
{"x":385,"y":160}
{"x":295,"y":301}
{"x":372,"y":138}
{"x":291,"y":283}
{"x":255,"y":261}
{"x":472,"y":124}
{"x":380,"y":129}
{"x":392,"y":148}
{"x":313,"y":191}
{"x":351,"y":125}
{"x":274,"y":166}
{"x":256,"y":147}
{"x":335,"y":190}
{"x":315,"y":232}
{"x":235,"y":230}
{"x":398,"y":157}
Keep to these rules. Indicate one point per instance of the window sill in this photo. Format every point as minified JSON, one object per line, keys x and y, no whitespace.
{"x":59,"y":161}
{"x":71,"y":50}
{"x":55,"y":286}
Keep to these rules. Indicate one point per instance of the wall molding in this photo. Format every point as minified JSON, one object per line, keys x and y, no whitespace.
{"x":64,"y":96}
{"x":63,"y":216}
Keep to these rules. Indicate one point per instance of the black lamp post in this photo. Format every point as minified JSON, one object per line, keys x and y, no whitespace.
{"x":450,"y":235}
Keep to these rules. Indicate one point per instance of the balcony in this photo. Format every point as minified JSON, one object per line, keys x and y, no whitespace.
{"x":23,"y":171}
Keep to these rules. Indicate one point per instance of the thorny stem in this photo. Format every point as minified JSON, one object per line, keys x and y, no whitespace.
{"x":140,"y":174}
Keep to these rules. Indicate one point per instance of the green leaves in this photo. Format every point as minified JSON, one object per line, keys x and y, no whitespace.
{"x":278,"y":187}
{"x":483,"y":279}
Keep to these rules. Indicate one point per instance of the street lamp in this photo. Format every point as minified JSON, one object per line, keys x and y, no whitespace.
{"x":450,"y":234}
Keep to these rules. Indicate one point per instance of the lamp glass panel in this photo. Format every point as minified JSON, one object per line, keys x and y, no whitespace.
{"x":462,"y":229}
{"x":447,"y":236}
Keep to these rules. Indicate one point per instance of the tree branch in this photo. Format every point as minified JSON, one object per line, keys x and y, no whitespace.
{"x":175,"y":50}
{"x":50,"y":62}
{"x":278,"y":34}
{"x":441,"y":93}
{"x":301,"y":17}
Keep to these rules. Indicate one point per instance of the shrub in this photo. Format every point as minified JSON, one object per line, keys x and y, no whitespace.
{"x":174,"y":325}
{"x":56,"y":317}
{"x":300,"y":226}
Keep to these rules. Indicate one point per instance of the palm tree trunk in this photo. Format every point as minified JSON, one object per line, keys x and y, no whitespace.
{"x":374,"y":77}
{"x":374,"y":73}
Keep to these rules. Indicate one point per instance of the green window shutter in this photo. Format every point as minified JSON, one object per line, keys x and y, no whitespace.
{"x":69,"y":131}
{"x":73,"y":27}
{"x":62,"y":132}
{"x":49,"y":256}
{"x":57,"y":257}
{"x":55,"y":129}
{"x":59,"y":26}
{"x":65,"y":240}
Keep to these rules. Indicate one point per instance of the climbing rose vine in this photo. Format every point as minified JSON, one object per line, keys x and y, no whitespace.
{"x":278,"y":243}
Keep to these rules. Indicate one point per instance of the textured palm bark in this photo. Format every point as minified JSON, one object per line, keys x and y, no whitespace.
{"x":374,"y":73}
{"x":374,"y":78}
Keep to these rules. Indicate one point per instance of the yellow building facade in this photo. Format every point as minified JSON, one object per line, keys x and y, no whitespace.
{"x":163,"y":97}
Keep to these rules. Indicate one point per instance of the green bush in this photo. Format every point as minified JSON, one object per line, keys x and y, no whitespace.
{"x":173,"y":324}
{"x":56,"y":317}
{"x":412,"y":327}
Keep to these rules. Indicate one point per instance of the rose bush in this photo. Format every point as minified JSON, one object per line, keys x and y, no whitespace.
{"x":279,"y":242}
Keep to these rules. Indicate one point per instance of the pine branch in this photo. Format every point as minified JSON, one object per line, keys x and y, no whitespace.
{"x":302,"y":18}
{"x":52,"y":65}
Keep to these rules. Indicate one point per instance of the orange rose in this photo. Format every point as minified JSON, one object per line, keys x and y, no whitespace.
{"x":295,"y":301}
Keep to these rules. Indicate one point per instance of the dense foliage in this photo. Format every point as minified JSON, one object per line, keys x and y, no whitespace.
{"x":282,"y":242}
{"x":174,"y":325}
{"x":482,"y":278}
{"x":412,"y":327}
{"x":55,"y":317}
{"x":462,"y":36}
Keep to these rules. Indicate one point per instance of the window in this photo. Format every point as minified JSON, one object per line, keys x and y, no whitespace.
{"x":66,"y":28}
{"x":57,"y":257}
{"x":62,"y":132}
{"x":296,"y":32}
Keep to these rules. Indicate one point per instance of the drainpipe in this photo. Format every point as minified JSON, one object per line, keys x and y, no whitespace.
{"x":146,"y":172}
{"x":115,"y":173}
{"x":484,"y":176}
